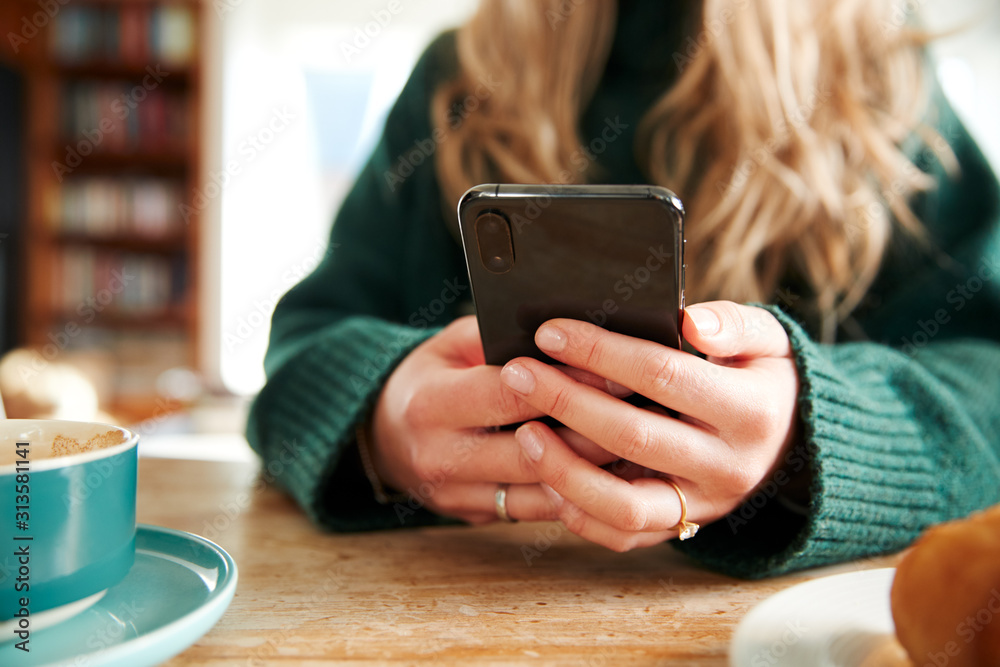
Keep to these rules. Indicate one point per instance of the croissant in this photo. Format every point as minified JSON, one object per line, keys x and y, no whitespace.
{"x":946,"y":594}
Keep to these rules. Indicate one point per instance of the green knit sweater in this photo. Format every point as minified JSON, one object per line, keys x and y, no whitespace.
{"x":901,"y":424}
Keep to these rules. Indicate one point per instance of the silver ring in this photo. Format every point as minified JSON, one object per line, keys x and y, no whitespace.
{"x":500,"y":502}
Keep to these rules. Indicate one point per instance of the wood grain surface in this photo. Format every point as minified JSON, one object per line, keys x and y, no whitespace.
{"x":456,"y":595}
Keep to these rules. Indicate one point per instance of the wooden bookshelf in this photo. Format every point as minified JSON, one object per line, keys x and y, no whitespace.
{"x":113,"y":152}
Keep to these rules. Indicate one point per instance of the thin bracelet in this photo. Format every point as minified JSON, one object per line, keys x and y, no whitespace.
{"x":383,"y":498}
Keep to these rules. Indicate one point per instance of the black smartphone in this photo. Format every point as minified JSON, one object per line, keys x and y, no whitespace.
{"x":612,"y":255}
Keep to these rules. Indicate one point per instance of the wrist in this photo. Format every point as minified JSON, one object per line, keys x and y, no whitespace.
{"x":368,"y":455}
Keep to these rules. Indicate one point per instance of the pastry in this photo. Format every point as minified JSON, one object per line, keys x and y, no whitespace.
{"x":946,"y":594}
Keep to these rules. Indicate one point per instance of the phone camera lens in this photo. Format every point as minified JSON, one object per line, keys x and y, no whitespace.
{"x":496,"y":247}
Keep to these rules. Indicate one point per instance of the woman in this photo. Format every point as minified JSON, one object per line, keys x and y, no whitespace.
{"x":824,"y":179}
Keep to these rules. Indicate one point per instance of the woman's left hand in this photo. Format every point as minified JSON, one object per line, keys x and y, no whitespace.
{"x":737,"y":419}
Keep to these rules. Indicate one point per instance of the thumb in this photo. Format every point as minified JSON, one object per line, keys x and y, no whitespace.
{"x":459,"y":342}
{"x":729,"y":330}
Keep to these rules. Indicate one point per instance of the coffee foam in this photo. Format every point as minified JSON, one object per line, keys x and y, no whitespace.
{"x":53,"y":442}
{"x":66,"y":446}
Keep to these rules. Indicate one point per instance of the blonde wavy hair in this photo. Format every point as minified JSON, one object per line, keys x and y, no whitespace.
{"x":782,"y":132}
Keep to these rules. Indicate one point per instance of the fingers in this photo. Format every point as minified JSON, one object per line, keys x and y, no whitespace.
{"x":476,"y":503}
{"x":597,"y":504}
{"x":589,"y":528}
{"x":473,"y":397}
{"x":470,"y":394}
{"x":643,"y":505}
{"x":460,"y":342}
{"x":469,"y":398}
{"x":728,"y":330}
{"x":641,"y":436}
{"x":593,"y":503}
{"x":709,"y":392}
{"x":478,"y":455}
{"x":586,"y":448}
{"x":670,"y":377}
{"x":528,"y":502}
{"x":596,"y":381}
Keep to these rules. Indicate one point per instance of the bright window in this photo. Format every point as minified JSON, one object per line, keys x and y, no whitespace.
{"x":306,"y":85}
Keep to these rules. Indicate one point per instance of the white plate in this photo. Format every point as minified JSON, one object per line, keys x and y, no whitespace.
{"x":839,"y":621}
{"x":178,"y":588}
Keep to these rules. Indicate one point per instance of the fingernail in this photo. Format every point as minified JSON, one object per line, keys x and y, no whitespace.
{"x":705,"y":320}
{"x":530,"y":443}
{"x":550,"y":339}
{"x":518,"y":378}
{"x":553,"y":495}
{"x":615,"y":389}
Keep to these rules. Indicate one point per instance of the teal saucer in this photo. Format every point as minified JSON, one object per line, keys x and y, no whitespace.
{"x":178,"y":588}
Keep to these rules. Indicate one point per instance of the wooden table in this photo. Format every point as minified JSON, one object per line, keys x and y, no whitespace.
{"x":454,"y":595}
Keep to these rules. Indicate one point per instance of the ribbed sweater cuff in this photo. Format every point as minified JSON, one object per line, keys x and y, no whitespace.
{"x":875,"y":483}
{"x":302,"y":423}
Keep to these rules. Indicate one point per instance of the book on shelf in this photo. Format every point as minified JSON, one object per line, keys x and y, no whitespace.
{"x":94,"y":281}
{"x":172,"y":34}
{"x":135,"y":34}
{"x":117,"y":116}
{"x":123,"y":207}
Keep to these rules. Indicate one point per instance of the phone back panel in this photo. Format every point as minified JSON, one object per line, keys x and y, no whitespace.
{"x":610,"y":255}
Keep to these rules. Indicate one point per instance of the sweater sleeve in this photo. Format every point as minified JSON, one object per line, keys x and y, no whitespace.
{"x":385,"y":284}
{"x":902,"y":430}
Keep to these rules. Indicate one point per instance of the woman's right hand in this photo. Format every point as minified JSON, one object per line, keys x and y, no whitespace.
{"x":433,"y":435}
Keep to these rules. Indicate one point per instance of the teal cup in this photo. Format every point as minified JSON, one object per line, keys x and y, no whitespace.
{"x":67,"y":518}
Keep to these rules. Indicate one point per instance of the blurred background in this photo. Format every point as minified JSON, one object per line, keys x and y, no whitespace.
{"x":169,"y":168}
